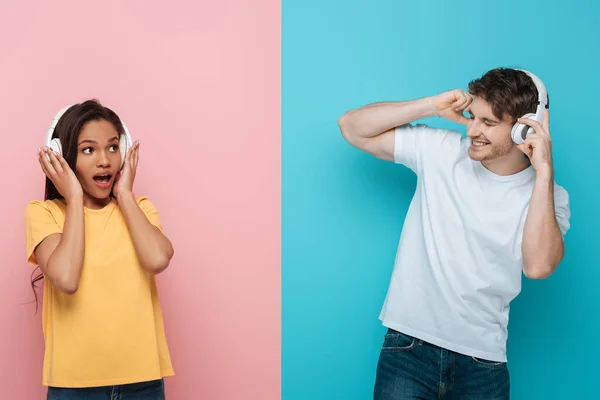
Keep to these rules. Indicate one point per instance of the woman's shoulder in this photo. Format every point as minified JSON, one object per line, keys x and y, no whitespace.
{"x":46,"y":205}
{"x":45,"y":210}
{"x":144,"y":201}
{"x":141,"y":199}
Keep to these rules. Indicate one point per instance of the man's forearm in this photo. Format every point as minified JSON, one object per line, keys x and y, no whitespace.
{"x":543,"y":245}
{"x":376,"y":118}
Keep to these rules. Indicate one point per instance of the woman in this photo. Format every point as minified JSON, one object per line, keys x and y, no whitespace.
{"x":98,"y":248}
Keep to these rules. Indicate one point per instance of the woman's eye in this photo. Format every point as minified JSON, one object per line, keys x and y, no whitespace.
{"x":87,"y":150}
{"x":114,"y":148}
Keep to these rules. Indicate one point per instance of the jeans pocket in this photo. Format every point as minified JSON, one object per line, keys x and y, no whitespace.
{"x":397,"y":341}
{"x":487,"y":363}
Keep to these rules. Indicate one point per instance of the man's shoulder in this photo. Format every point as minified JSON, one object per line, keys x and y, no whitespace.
{"x":434,"y":138}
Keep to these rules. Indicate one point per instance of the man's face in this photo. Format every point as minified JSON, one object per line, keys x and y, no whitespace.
{"x":490,"y":136}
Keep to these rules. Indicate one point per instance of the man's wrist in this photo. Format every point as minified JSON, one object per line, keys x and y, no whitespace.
{"x":432,"y":110}
{"x":545,"y":174}
{"x":424,"y":108}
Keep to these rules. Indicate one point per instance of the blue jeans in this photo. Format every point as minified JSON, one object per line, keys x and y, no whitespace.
{"x":152,"y":390}
{"x":410,"y":368}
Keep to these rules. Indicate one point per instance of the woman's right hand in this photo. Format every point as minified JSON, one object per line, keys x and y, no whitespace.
{"x":452,"y":104}
{"x":61,"y":175}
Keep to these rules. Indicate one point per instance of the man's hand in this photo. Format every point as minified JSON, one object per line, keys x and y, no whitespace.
{"x":538,"y":146}
{"x":452,"y":104}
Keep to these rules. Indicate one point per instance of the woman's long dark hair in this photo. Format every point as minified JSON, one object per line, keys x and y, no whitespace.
{"x":67,"y":130}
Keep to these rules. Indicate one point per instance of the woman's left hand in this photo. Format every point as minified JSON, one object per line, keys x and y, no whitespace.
{"x":125,"y":178}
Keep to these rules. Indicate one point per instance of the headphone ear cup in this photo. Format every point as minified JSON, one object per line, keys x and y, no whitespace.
{"x":55,"y":146}
{"x":520,"y":131}
{"x":517,"y":133}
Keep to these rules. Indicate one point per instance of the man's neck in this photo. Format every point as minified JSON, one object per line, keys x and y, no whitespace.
{"x":509,"y":164}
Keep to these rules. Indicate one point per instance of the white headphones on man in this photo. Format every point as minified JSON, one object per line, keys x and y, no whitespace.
{"x":520,"y":131}
{"x":125,"y":140}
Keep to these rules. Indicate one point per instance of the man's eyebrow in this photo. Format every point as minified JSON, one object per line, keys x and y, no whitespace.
{"x":493,"y":121}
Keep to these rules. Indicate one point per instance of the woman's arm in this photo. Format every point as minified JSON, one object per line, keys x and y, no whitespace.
{"x":60,"y":256}
{"x":153,"y":248}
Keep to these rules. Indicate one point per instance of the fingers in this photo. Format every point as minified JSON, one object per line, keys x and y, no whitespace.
{"x":526,"y":148}
{"x":531,"y":141}
{"x":133,"y":155}
{"x":126,"y":165}
{"x":63,"y":163}
{"x":462,"y":102}
{"x":546,"y":121}
{"x":539,"y":130}
{"x":41,"y":159}
{"x":462,"y":119}
{"x":136,"y":155}
{"x":47,"y":164}
{"x":470,"y":100}
{"x":55,"y":163}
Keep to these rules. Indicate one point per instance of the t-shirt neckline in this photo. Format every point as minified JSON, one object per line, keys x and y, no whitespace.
{"x":522,"y":175}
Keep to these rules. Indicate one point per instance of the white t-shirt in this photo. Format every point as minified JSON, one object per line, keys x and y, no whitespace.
{"x":459,"y":260}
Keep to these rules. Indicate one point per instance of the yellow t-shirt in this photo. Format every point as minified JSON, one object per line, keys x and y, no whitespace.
{"x":110,"y":332}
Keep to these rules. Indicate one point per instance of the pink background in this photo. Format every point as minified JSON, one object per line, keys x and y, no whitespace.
{"x":199,"y":84}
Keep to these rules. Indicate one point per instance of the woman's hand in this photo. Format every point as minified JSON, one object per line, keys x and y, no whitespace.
{"x":60,"y":174}
{"x":125,"y":178}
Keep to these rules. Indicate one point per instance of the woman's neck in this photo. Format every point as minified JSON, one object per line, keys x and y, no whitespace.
{"x":94,"y":203}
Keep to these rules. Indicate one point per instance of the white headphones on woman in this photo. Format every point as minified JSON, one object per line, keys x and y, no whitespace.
{"x":520,"y":131}
{"x":125,"y":141}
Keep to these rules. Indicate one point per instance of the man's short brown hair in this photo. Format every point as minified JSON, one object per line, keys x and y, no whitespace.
{"x":508,"y":92}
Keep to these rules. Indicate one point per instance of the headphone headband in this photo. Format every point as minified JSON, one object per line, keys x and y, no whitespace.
{"x":541,"y":88}
{"x":55,"y":120}
{"x":520,"y":131}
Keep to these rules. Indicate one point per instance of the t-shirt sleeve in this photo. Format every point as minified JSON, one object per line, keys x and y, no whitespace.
{"x":415,"y":144}
{"x":150,"y":211}
{"x":562,"y":209}
{"x":39,"y":224}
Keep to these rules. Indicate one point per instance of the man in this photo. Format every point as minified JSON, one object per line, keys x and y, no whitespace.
{"x":486,"y":209}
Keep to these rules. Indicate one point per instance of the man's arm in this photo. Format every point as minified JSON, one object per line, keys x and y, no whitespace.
{"x":543,"y":245}
{"x":371,"y":128}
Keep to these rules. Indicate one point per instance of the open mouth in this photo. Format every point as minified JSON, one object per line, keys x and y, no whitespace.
{"x":103,"y":180}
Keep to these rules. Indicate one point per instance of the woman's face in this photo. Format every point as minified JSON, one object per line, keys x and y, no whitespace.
{"x":98,"y":159}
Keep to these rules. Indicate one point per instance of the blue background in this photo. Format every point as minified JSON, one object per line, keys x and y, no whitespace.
{"x":343,"y":210}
